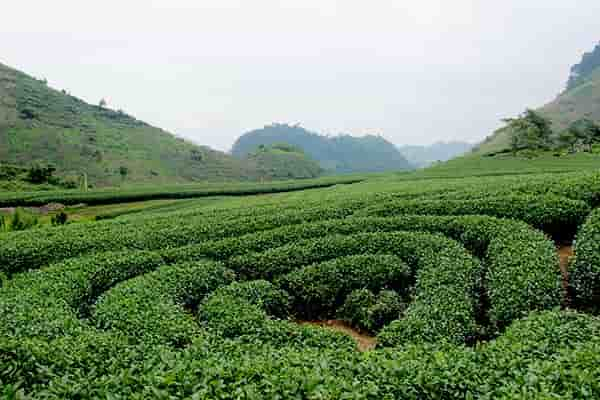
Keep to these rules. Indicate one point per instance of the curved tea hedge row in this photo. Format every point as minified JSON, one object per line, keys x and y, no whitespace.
{"x":547,"y":355}
{"x":521,"y":266}
{"x":22,"y":251}
{"x":168,"y":317}
{"x":107,"y":196}
{"x":446,"y":276}
{"x":256,"y":312}
{"x":585,"y":269}
{"x":556,"y":216}
{"x":150,"y":308}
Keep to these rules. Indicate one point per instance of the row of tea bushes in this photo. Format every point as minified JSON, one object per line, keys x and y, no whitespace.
{"x":584,"y":274}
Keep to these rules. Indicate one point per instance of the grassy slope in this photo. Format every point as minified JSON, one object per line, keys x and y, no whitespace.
{"x":582,"y":101}
{"x":506,"y":164}
{"x":40,"y":124}
{"x":274,"y":163}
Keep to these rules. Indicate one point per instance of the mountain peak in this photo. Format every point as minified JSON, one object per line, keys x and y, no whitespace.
{"x":581,"y":72}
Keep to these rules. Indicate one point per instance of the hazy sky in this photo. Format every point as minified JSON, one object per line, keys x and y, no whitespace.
{"x":414,"y":71}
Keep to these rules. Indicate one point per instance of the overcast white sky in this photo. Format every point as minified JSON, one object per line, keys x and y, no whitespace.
{"x":415,"y":71}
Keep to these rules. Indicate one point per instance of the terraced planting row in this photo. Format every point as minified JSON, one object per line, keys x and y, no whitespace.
{"x":464,"y":301}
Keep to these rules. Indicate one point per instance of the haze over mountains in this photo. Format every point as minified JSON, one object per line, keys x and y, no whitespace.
{"x":39,"y":124}
{"x":423,"y":156}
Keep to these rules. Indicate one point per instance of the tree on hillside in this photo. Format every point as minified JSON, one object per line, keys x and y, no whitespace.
{"x":568,"y":139}
{"x":530,"y":130}
{"x":585,"y":131}
{"x":102,"y":103}
{"x":123,"y":171}
{"x":38,"y":174}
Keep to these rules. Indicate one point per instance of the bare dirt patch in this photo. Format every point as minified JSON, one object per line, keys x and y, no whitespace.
{"x":565,"y":252}
{"x":363,"y":342}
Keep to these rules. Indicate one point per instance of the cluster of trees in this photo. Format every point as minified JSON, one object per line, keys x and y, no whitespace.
{"x":532,"y":131}
{"x":39,"y":174}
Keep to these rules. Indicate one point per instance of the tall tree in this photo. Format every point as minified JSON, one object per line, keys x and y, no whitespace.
{"x":586,"y":131}
{"x":530,"y":130}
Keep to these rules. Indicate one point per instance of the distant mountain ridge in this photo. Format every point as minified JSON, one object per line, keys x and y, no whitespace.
{"x":581,"y":99}
{"x":39,"y":124}
{"x":423,"y":156}
{"x":338,"y":154}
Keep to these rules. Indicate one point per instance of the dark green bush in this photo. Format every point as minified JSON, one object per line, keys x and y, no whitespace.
{"x":369,"y":312}
{"x":59,"y":218}
{"x":355,"y":309}
{"x":388,"y":307}
{"x":319,"y":289}
{"x":584,"y":275}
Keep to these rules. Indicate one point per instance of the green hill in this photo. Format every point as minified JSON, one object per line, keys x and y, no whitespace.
{"x":283,"y":161}
{"x":580,"y":100}
{"x":339,"y":154}
{"x":39,"y":124}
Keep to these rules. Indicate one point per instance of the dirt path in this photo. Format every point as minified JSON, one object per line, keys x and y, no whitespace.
{"x":363,"y":342}
{"x":565,"y":252}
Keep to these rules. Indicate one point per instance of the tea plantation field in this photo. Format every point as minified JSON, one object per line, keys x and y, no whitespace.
{"x":457,"y":277}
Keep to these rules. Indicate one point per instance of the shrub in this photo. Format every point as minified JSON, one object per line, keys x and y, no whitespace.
{"x":585,"y":268}
{"x":59,"y":218}
{"x":319,"y":289}
{"x":149,"y":308}
{"x":355,"y":309}
{"x":22,"y":221}
{"x":388,"y":307}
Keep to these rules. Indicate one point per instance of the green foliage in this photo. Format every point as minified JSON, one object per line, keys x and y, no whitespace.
{"x":555,"y":215}
{"x":248,"y":312}
{"x":114,"y":196}
{"x":319,"y":289}
{"x":369,"y":312}
{"x":340,"y":154}
{"x":21,"y":220}
{"x":445,"y":305}
{"x":60,"y":218}
{"x":199,"y":299}
{"x":584,"y":132}
{"x":356,"y":306}
{"x":54,"y":127}
{"x":585,"y":269}
{"x":283,"y":161}
{"x":529,"y":131}
{"x":38,"y":174}
{"x":150,"y":308}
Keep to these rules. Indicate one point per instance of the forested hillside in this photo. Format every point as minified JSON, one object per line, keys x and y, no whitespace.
{"x":338,"y":154}
{"x":39,"y":124}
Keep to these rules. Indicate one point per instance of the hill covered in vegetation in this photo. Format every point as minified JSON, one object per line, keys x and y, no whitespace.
{"x":338,"y":154}
{"x":423,"y":156}
{"x":580,"y":101}
{"x":42,"y":125}
{"x":283,"y":161}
